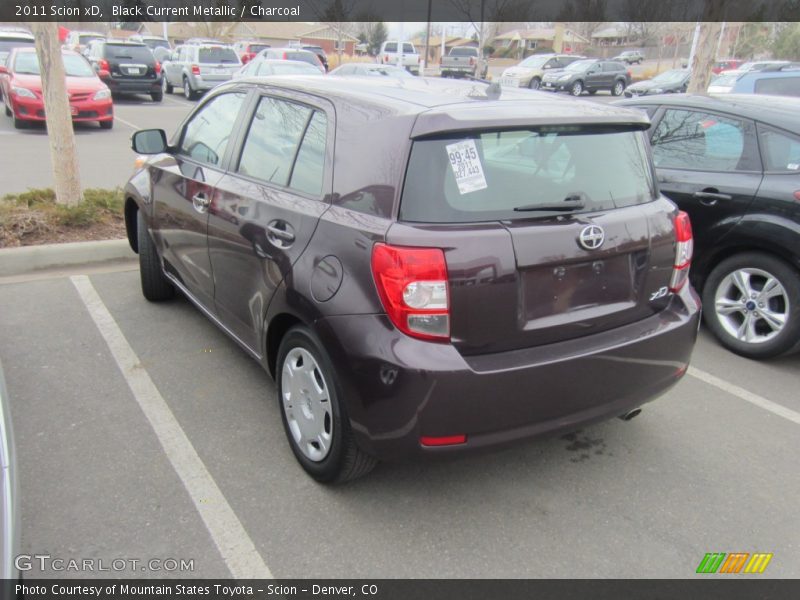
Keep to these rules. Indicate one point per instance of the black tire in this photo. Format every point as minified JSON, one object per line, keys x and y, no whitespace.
{"x":106,"y":124}
{"x":576,"y":89}
{"x":155,"y":285}
{"x":167,"y":86}
{"x":157,"y":96}
{"x":535,"y":83}
{"x":19,"y":123}
{"x":787,"y":339}
{"x":8,"y":111}
{"x":344,"y":461}
{"x":619,"y":88}
{"x":188,"y":92}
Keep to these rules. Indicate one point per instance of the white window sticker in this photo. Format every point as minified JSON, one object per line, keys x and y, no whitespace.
{"x":467,"y":166}
{"x":793,"y":166}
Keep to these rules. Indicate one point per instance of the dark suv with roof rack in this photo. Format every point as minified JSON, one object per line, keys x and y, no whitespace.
{"x":486,"y":266}
{"x":130,"y":67}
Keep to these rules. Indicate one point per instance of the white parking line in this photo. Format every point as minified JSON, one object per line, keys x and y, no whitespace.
{"x":235,"y":546}
{"x":128,"y":123}
{"x":760,"y":401}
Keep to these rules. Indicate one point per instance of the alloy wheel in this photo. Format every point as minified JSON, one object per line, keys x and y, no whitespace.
{"x":752,"y":305}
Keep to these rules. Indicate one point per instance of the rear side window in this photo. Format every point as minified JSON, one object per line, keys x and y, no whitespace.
{"x":310,"y":164}
{"x":208,"y":133}
{"x":687,"y":139}
{"x":217,"y":54}
{"x":779,"y":86}
{"x":780,"y":151}
{"x":273,"y":139}
{"x":485,"y":176}
{"x":408,"y":49}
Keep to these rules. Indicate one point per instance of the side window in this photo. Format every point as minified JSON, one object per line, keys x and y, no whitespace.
{"x":686,"y":139}
{"x":781,"y":151}
{"x":271,"y":144}
{"x":408,"y":49}
{"x":310,"y":164}
{"x":610,"y":66}
{"x":206,"y":136}
{"x":390,"y":47}
{"x":778,"y":86}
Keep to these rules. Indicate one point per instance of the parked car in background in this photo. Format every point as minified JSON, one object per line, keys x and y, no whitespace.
{"x":590,"y":75}
{"x":674,"y":81}
{"x":14,"y":38}
{"x":152,"y":41}
{"x":783,"y":80}
{"x":201,"y":41}
{"x":530,"y":71}
{"x":261,"y":67}
{"x":370,"y":70}
{"x":728,"y":64}
{"x":450,"y":281}
{"x":756,"y":65}
{"x":323,"y":58}
{"x":128,"y":67}
{"x":9,"y":498}
{"x":403,"y":55}
{"x":733,"y":163}
{"x":248,"y":50}
{"x":461,"y":61}
{"x":199,"y":67}
{"x":21,"y":82}
{"x":629,"y":57}
{"x":78,"y":40}
{"x":297,"y":54}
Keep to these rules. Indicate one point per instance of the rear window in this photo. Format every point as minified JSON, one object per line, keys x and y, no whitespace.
{"x":85,"y":39}
{"x":390,"y":47}
{"x":257,"y":47}
{"x":306,"y":57}
{"x":125,"y":52}
{"x":217,"y":54}
{"x":485,"y":176}
{"x":463,"y":52}
{"x":6,"y":45}
{"x":779,"y":86}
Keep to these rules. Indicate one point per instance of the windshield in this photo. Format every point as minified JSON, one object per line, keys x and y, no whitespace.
{"x":218,"y":54}
{"x":670,"y":77}
{"x":7,"y":45}
{"x":27,"y":63}
{"x":153,"y":44}
{"x":579,"y":65}
{"x":534,"y":62}
{"x":484,"y":176}
{"x":725,"y":80}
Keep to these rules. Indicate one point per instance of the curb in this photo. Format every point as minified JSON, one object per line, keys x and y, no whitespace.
{"x":28,"y":259}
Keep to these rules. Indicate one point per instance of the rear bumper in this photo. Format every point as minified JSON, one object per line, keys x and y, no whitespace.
{"x":398,"y":389}
{"x":133,"y":85}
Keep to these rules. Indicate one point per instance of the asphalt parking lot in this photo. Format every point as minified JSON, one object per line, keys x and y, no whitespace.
{"x":144,"y":433}
{"x":710,"y":467}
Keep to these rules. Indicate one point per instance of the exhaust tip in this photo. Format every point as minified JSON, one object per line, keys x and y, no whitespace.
{"x":630,"y":414}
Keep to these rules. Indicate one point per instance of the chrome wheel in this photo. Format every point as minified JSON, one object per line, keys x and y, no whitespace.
{"x":577,"y":88}
{"x":307,"y":404}
{"x":535,"y":83}
{"x":752,"y":305}
{"x":619,"y":87}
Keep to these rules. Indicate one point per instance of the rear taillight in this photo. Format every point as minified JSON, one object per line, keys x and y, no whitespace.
{"x":684,"y":247}
{"x":412,"y":285}
{"x":102,"y":65}
{"x":195,"y":69}
{"x":471,"y":60}
{"x":284,"y":56}
{"x":797,"y":195}
{"x":158,"y":67}
{"x":385,"y":58}
{"x":630,"y":74}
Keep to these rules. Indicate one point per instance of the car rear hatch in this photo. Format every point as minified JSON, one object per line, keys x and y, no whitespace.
{"x":130,"y":61}
{"x":549,"y":232}
{"x":217,"y":63}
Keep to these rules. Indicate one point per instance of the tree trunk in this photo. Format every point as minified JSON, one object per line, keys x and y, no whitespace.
{"x":704,"y":57}
{"x":63,"y":153}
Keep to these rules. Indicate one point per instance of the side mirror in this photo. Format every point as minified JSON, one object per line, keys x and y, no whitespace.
{"x":149,"y":141}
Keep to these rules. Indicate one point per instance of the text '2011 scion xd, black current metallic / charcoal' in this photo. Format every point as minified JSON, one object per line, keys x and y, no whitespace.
{"x":425,"y":267}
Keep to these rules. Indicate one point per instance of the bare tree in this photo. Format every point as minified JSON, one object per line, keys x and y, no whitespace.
{"x":63,"y":153}
{"x":704,"y":57}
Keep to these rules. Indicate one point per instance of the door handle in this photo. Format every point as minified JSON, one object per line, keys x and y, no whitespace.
{"x":200,"y":202}
{"x":711,"y":196}
{"x":279,"y":234}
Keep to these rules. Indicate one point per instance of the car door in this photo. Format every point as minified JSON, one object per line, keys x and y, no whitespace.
{"x":708,"y":163}
{"x":183,"y":190}
{"x":268,"y":206}
{"x":594,"y":77}
{"x":174,"y":67}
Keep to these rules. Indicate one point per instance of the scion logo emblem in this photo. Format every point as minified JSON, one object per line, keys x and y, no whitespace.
{"x":591,"y":237}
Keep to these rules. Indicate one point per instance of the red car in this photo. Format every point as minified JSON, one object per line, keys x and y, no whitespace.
{"x":21,"y":86}
{"x":729,"y":64}
{"x":247,"y":50}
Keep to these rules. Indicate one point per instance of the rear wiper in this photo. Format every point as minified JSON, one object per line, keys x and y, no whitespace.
{"x":569,"y":204}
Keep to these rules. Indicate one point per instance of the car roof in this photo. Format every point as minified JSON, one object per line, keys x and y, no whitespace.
{"x":451,"y":105}
{"x":780,"y":111}
{"x":17,"y":35}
